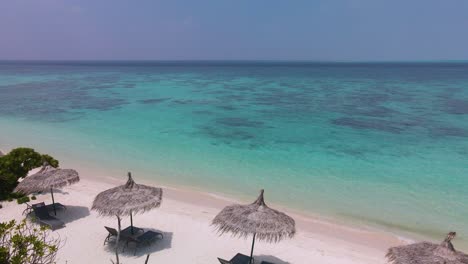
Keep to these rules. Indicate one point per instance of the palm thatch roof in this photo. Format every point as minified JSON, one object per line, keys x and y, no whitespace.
{"x":127,"y":199}
{"x":48,"y":177}
{"x":256,"y":218}
{"x":427,"y":253}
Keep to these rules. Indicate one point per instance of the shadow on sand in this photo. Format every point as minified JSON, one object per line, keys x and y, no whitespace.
{"x":68,"y":215}
{"x":269,"y":259}
{"x":72,"y":213}
{"x":142,"y":250}
{"x":57,"y":191}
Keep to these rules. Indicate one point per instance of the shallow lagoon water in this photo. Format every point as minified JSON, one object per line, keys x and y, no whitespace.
{"x":384,"y":144}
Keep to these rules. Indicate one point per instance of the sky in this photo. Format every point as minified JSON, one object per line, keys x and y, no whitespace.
{"x":317,"y":30}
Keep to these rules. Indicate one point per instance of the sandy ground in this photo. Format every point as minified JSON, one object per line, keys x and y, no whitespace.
{"x":184,"y":218}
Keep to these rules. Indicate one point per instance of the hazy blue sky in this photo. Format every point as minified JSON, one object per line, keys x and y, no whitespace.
{"x":234,"y":29}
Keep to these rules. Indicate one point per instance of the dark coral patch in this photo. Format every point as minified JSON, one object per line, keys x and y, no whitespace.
{"x":193,"y":102}
{"x":457,"y":106}
{"x":153,"y":100}
{"x":369,"y":111}
{"x":226,"y":107}
{"x":202,"y":112}
{"x":238,"y":122}
{"x":449,"y":132}
{"x":379,"y":125}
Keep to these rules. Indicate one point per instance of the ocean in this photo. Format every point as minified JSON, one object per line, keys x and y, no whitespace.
{"x":377,"y":144}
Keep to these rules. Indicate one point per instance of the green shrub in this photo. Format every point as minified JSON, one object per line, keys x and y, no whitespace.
{"x":33,"y":197}
{"x":22,"y":200}
{"x":16,"y":164}
{"x":21,"y":243}
{"x":50,"y":160}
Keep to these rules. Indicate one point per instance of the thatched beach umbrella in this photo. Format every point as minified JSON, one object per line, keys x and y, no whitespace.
{"x":127,"y":199}
{"x":255,"y":219}
{"x":47,"y":179}
{"x":427,"y":253}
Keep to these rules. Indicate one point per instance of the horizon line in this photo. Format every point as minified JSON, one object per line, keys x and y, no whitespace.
{"x":237,"y":60}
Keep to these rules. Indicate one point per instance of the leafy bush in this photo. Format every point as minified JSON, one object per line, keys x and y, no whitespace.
{"x":8,"y":182}
{"x":50,"y":160}
{"x":33,"y":197}
{"x":21,"y":243}
{"x":22,"y":200}
{"x":16,"y":165}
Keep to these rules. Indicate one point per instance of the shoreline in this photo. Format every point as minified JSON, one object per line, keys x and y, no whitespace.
{"x":188,"y":213}
{"x":305,"y":222}
{"x":186,"y":194}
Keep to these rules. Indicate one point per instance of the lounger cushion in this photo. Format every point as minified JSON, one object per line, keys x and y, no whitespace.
{"x":240,"y":259}
{"x":43,"y":217}
{"x":223,"y":261}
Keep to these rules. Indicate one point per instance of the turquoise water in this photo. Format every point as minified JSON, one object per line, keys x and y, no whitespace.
{"x":384,"y":144}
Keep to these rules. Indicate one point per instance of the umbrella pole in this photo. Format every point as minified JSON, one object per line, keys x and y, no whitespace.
{"x":251,"y":251}
{"x":131,"y":222}
{"x":53,"y":202}
{"x":117,"y":243}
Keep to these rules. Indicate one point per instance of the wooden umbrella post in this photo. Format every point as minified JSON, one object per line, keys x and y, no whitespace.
{"x":118,"y":240}
{"x":131,"y":222}
{"x":53,"y":201}
{"x":251,"y":251}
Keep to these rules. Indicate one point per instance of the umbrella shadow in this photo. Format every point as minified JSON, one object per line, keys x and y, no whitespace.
{"x":142,"y":250}
{"x":58,"y":191}
{"x":72,"y":213}
{"x":269,"y":258}
{"x":47,"y":192}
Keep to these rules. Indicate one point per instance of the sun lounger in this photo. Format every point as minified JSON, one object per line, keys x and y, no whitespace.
{"x":112,"y":233}
{"x":58,"y":206}
{"x":124,"y":234}
{"x":237,"y":259}
{"x":43,"y":217}
{"x":223,"y":261}
{"x":128,"y":231}
{"x":29,"y":207}
{"x":145,"y":238}
{"x":50,"y":207}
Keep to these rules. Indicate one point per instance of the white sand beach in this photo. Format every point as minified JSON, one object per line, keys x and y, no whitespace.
{"x":184,"y":218}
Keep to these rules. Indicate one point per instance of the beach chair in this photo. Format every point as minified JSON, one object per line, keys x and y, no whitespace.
{"x":112,"y":233}
{"x":58,"y":206}
{"x":223,"y":261}
{"x":145,"y":238}
{"x":128,"y":231}
{"x":237,"y":259}
{"x":43,"y":217}
{"x":30,"y":208}
{"x":50,"y":207}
